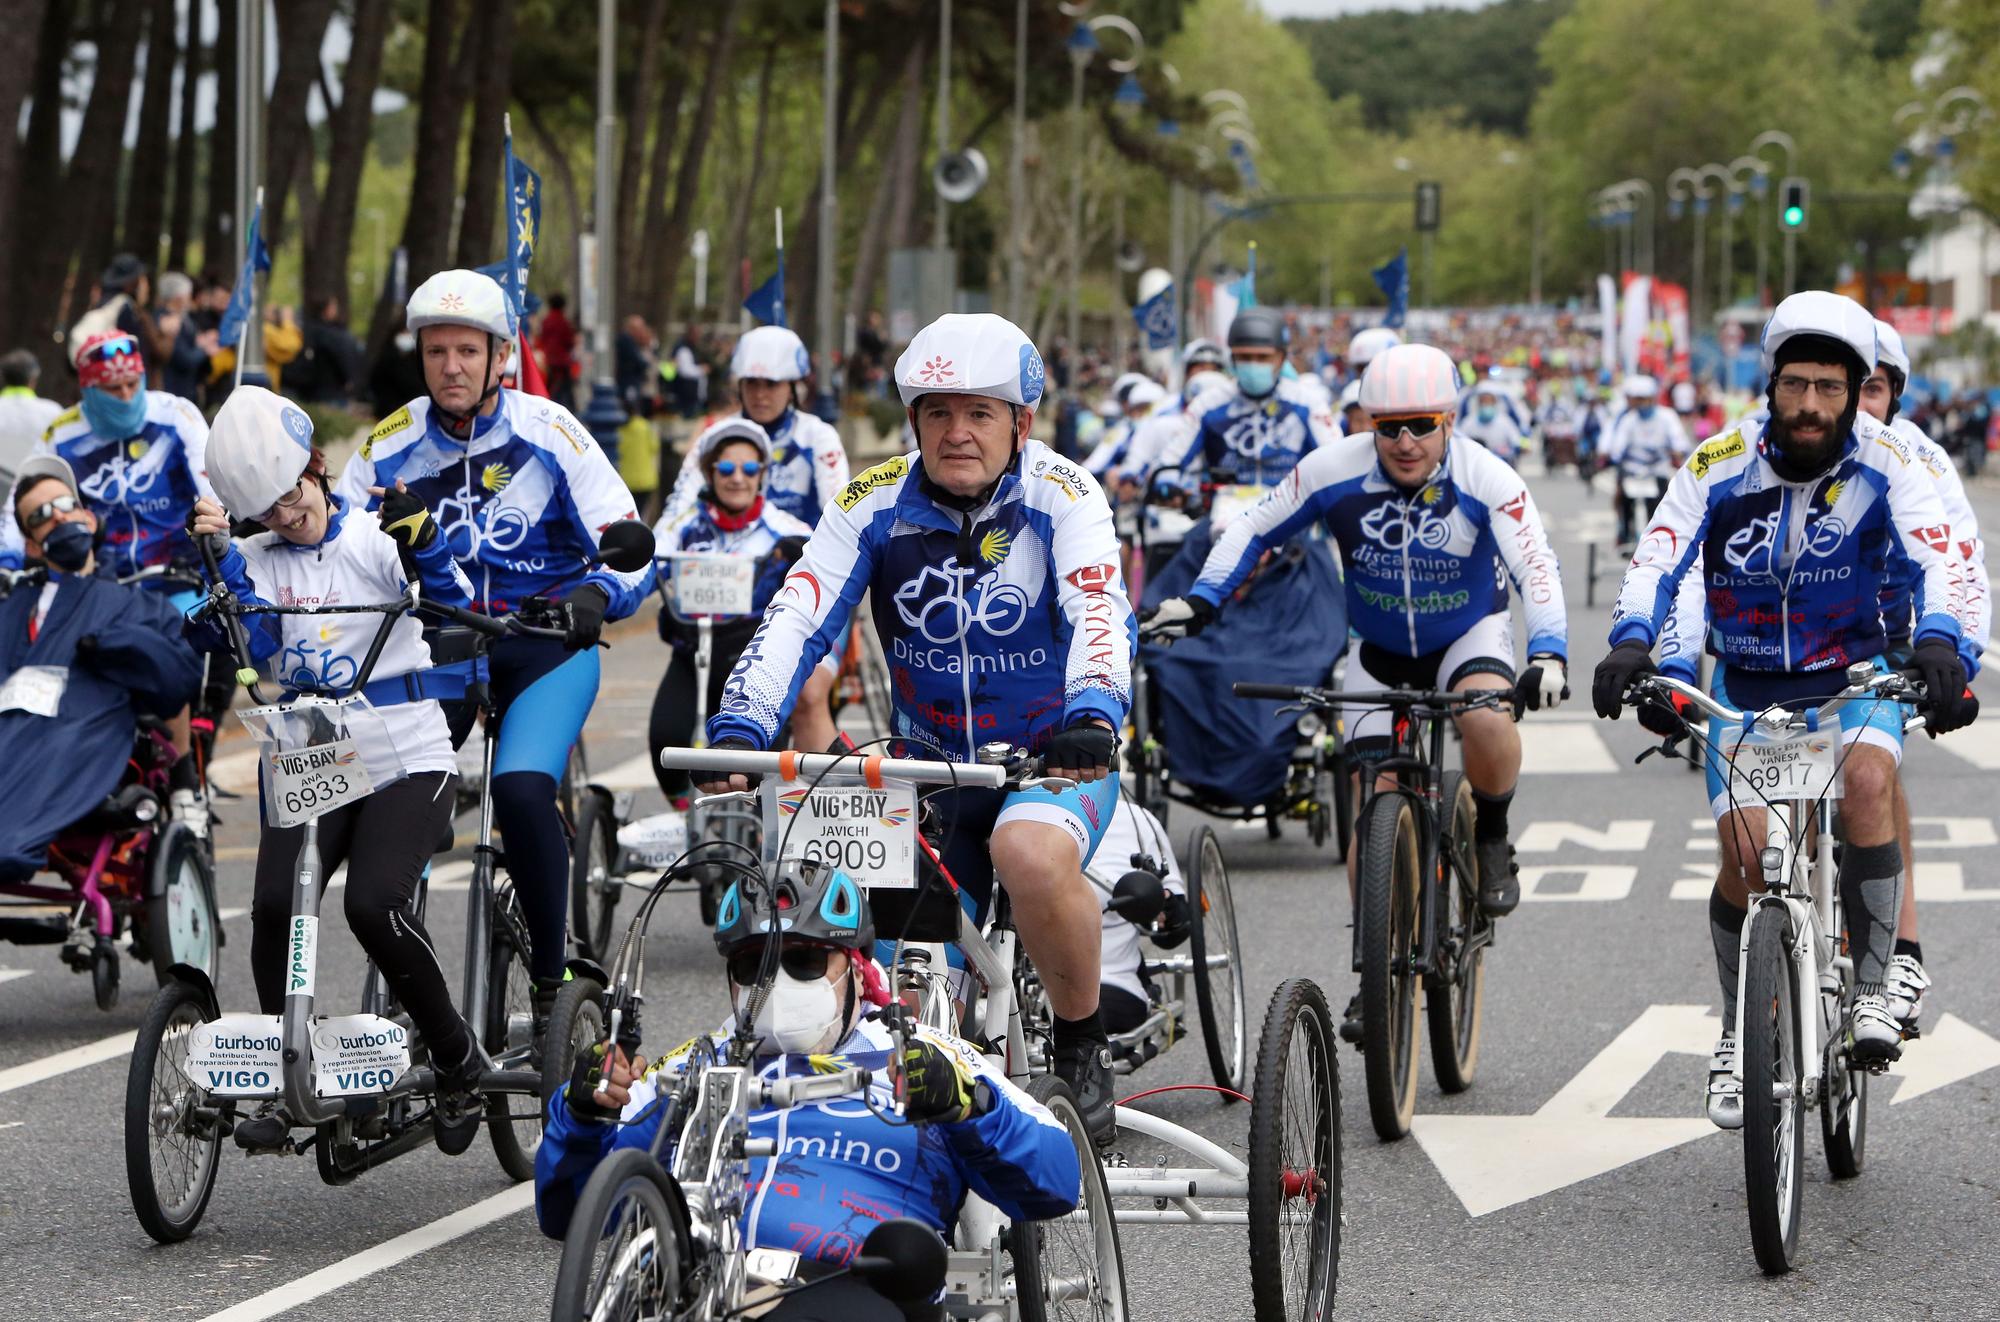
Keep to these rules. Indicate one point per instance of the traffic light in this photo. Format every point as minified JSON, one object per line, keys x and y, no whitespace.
{"x":1794,"y":196}
{"x":1430,"y":207}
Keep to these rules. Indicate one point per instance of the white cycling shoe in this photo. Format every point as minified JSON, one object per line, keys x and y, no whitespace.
{"x":1903,"y":987}
{"x":1725,"y":1093}
{"x":1873,"y":1035}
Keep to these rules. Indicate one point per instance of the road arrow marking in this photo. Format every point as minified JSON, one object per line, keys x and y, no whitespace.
{"x":1949,"y":1051}
{"x":8,"y":975}
{"x":1492,"y":1162}
{"x":1622,"y":836}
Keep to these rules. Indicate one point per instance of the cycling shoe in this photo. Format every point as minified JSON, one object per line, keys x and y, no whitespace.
{"x":1085,"y":1066}
{"x":460,"y":1105}
{"x":1903,"y":987}
{"x":1499,"y":878}
{"x":1725,"y":1094}
{"x":1873,"y":1035}
{"x":266,"y":1131}
{"x":1350,"y":1023}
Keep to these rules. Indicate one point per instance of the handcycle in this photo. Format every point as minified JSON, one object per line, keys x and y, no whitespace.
{"x":1416,"y":897}
{"x":128,"y":866}
{"x":1794,"y":951}
{"x":350,"y":1078}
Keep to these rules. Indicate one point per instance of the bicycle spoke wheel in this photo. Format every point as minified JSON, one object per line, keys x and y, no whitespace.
{"x":1295,"y":1182}
{"x":626,"y":1255}
{"x":593,"y":889}
{"x":1843,"y":1112}
{"x":181,"y":922}
{"x":1773,"y":1133}
{"x":1071,"y":1266}
{"x":1217,"y":958}
{"x":172,"y":1139}
{"x":576,"y":1022}
{"x":1454,"y":996}
{"x":508,"y":1035}
{"x":1387,"y":912}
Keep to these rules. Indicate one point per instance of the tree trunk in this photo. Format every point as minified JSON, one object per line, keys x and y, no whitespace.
{"x":493,"y":87}
{"x":146,"y":189}
{"x":673,"y":244}
{"x":630,"y":152}
{"x":854,"y":120}
{"x":326,"y":257}
{"x":645,"y":259}
{"x":180,"y":218}
{"x":20,"y":41}
{"x":218,"y":248}
{"x":739,"y":233}
{"x":895,"y":193}
{"x":90,"y":189}
{"x":287,"y":136}
{"x":555,"y":160}
{"x":426,"y":227}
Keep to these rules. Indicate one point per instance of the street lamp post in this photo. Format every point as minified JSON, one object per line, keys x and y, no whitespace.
{"x":1783,"y":142}
{"x":1756,"y":170}
{"x":1683,"y":186}
{"x":249,"y":166}
{"x":1083,"y":46}
{"x":605,"y":415}
{"x":1725,"y":258}
{"x":1953,"y":112}
{"x":1017,"y":169}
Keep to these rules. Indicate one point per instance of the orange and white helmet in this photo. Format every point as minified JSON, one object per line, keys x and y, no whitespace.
{"x":1409,"y":379}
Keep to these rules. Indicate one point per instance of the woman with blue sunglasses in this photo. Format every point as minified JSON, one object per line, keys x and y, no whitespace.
{"x":731,"y":517}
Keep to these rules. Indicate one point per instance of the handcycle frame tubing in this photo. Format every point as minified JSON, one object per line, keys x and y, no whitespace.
{"x":807,"y":766}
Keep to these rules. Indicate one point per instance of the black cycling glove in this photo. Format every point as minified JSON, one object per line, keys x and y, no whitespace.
{"x":583,"y":617}
{"x":938,"y":1087}
{"x":1085,"y":746}
{"x":1944,"y":679}
{"x":1176,"y":617}
{"x":584,"y":1080}
{"x":1175,"y":923}
{"x":408,"y":520}
{"x":1615,"y":673}
{"x":1666,"y":720}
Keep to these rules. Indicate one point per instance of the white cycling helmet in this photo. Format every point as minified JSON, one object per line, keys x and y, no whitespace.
{"x":1126,"y":380}
{"x":770,"y":353}
{"x":1409,"y":379}
{"x":971,"y":353}
{"x":1144,"y":393}
{"x":1368,"y":345}
{"x":461,"y":298}
{"x":1684,"y":397}
{"x":1889,"y":350}
{"x":258,"y":446}
{"x":1350,"y":395}
{"x":726,"y":431}
{"x":1640,"y":386}
{"x":1819,"y":312}
{"x":1204,"y":353}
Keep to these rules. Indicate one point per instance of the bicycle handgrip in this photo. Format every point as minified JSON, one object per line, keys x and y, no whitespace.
{"x":1283,"y":692}
{"x":785,"y":1093}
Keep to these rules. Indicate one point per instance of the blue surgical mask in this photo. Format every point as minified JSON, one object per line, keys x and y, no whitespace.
{"x":112,"y":418}
{"x":67,"y":546}
{"x":1256,"y":379}
{"x":1645,"y":410}
{"x":1486,"y":412}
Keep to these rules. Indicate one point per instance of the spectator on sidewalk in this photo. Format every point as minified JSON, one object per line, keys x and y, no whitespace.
{"x":557,"y":342}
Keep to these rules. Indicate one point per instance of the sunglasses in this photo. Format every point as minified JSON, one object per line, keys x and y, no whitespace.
{"x":48,"y":509}
{"x":801,"y":962}
{"x":112,"y":350}
{"x":728,"y":467}
{"x":1419,"y":428}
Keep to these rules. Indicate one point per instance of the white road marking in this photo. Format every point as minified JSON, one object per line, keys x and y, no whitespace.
{"x":1949,"y":1050}
{"x":1620,"y":836}
{"x":1597,"y":882}
{"x":236,"y":772}
{"x":1492,"y":1162}
{"x":1561,"y":748}
{"x":62,"y":1062}
{"x":634,"y":773}
{"x":379,"y":1258}
{"x":1981,"y":750}
{"x":8,"y":975}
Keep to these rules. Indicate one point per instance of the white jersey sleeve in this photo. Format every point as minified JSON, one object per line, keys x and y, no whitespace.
{"x":1524,"y":545}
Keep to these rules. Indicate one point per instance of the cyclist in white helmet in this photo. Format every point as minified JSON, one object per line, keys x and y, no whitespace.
{"x":1367,"y":345}
{"x":1642,"y":448}
{"x":521,"y":492}
{"x":1201,"y":360}
{"x":1411,"y":504}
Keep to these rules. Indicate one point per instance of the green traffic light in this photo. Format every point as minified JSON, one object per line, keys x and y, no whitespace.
{"x":1795,"y":216}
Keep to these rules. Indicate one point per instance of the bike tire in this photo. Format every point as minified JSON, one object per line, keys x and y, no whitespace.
{"x":576,"y":1023}
{"x":1051,"y":1259}
{"x":182,"y":924}
{"x":1387,"y":912}
{"x":162,"y":1138}
{"x":593,"y":889}
{"x":1343,"y":798}
{"x":1218,"y":992}
{"x":1843,"y":1112}
{"x":508,"y":1036}
{"x":628,"y":1234}
{"x":1773,"y":1105}
{"x":1296,"y":1095}
{"x":1452,"y":1004}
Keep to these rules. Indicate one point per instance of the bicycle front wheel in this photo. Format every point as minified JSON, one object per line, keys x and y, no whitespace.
{"x":1456,"y":992}
{"x":1217,"y":957}
{"x":1773,"y":1132}
{"x":173,"y":1141}
{"x":593,"y":889}
{"x":1387,"y":912}
{"x":1295,"y":1185}
{"x":1071,"y":1266}
{"x":508,"y":1035}
{"x":1843,"y":1114}
{"x":626,"y":1255}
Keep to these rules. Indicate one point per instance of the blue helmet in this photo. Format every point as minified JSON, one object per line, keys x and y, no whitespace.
{"x":805,"y":901}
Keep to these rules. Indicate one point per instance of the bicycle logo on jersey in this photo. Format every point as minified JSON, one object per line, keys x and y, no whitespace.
{"x":304,"y":667}
{"x":1752,"y":548}
{"x":1395,"y":526}
{"x":941,"y":605}
{"x":112,"y":483}
{"x":470,"y":531}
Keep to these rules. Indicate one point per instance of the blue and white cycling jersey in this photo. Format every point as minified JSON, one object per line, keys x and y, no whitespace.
{"x":1646,"y":445}
{"x":1009,"y":623}
{"x":1153,"y":435}
{"x":1112,"y":447}
{"x":142,"y":488}
{"x":808,"y":469}
{"x":755,"y":534}
{"x":1258,"y":440}
{"x":1422,"y":567}
{"x":1794,"y":572}
{"x":1502,"y":433}
{"x":521,"y":504}
{"x":840,"y":1167}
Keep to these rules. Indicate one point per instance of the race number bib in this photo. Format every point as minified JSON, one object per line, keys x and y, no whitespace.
{"x":1640,"y":488}
{"x":312,"y":759}
{"x":714,"y":584}
{"x":870,"y":834}
{"x":36,"y":690}
{"x":1796,"y":766}
{"x":310,"y":782}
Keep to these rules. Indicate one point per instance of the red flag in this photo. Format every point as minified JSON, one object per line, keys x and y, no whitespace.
{"x":531,"y":381}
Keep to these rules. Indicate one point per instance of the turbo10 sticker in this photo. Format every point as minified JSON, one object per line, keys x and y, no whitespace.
{"x":357,"y":1054}
{"x":237,"y":1055}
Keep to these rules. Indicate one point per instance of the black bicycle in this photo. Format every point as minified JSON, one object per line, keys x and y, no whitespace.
{"x":1416,"y":901}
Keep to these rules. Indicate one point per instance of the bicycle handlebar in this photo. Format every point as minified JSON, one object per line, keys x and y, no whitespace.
{"x":791,"y":1092}
{"x":1322,"y":697}
{"x":1885,"y":685}
{"x":802,"y":766}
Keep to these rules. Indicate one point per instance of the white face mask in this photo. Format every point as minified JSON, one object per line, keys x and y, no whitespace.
{"x":799,"y":1017}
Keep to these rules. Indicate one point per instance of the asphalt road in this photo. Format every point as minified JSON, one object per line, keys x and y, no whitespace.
{"x":1574,"y":1180}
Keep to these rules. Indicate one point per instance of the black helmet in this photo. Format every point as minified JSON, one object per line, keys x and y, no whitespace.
{"x":1258,"y":328}
{"x":805,"y":901}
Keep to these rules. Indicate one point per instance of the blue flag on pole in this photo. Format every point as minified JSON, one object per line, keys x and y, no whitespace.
{"x":1156,"y":318}
{"x":524,"y":229}
{"x":767,"y":301}
{"x":1393,"y":279}
{"x":256,"y":257}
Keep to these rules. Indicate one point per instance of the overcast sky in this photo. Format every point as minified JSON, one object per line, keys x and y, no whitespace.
{"x":1331,"y":8}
